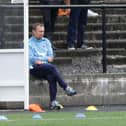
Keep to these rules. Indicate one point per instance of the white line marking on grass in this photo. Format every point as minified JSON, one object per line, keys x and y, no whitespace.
{"x":105,"y":118}
{"x":69,"y":119}
{"x":7,"y":120}
{"x":95,"y":118}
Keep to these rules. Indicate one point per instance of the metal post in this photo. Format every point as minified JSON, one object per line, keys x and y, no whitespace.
{"x":104,"y":59}
{"x":26,"y":56}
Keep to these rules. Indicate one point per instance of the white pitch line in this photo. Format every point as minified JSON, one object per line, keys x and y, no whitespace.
{"x":86,"y":118}
{"x":96,"y":118}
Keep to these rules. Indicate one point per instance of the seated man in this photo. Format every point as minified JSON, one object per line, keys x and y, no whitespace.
{"x":41,"y":56}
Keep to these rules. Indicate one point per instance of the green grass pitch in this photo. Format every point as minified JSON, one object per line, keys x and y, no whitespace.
{"x":66,"y":119}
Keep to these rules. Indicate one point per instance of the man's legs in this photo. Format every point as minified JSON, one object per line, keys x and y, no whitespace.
{"x":52,"y":70}
{"x":52,"y":87}
{"x":49,"y":72}
{"x":54,"y":13}
{"x":49,"y":18}
{"x":54,"y":73}
{"x":82,"y":27}
{"x":47,"y":22}
{"x":40,"y":72}
{"x":72,"y":27}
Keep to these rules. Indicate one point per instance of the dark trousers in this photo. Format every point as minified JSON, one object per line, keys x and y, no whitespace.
{"x":50,"y":73}
{"x":49,"y":18}
{"x":77,"y":25}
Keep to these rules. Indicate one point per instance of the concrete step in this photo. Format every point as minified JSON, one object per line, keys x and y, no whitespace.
{"x":14,"y":11}
{"x":62,"y":60}
{"x":114,"y":56}
{"x":94,"y":35}
{"x":111,"y":43}
{"x":109,"y":18}
{"x":115,"y":43}
{"x":76,"y":53}
{"x":12,"y":19}
{"x":18,"y":36}
{"x":34,"y":2}
{"x":116,"y":59}
{"x":87,"y":53}
{"x":119,"y":67}
{"x":96,"y":89}
{"x":114,"y":51}
{"x":65,"y":57}
{"x":14,"y":27}
{"x":95,"y":27}
{"x":4,"y":1}
{"x":109,"y":11}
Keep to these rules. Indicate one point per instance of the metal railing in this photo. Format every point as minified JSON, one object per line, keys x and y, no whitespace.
{"x":102,"y":6}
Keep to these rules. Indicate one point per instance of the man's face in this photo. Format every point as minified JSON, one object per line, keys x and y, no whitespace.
{"x":39,"y":32}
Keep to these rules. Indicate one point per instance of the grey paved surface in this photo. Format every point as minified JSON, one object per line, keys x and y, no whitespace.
{"x":106,"y":108}
{"x":100,"y":108}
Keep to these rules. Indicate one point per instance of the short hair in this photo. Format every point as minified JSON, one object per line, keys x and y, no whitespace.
{"x":34,"y":26}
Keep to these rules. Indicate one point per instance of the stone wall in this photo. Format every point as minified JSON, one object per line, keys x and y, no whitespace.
{"x":97,"y":89}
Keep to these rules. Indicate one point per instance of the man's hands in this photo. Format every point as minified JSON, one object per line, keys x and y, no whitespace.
{"x":50,"y":59}
{"x":38,"y":62}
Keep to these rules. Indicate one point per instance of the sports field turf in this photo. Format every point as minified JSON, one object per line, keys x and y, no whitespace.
{"x":66,"y":119}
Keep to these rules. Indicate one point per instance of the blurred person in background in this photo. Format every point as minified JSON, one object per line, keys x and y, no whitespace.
{"x":49,"y":17}
{"x":77,"y":25}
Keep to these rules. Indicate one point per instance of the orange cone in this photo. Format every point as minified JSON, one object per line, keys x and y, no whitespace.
{"x":36,"y":108}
